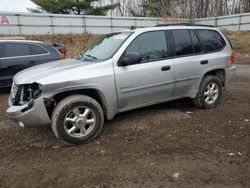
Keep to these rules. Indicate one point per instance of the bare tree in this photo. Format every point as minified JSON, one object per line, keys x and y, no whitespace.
{"x":178,"y":8}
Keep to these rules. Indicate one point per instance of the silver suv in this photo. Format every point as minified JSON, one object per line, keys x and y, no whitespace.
{"x":120,"y":72}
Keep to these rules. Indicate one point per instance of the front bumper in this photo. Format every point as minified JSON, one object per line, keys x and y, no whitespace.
{"x":33,"y":116}
{"x":230,"y":75}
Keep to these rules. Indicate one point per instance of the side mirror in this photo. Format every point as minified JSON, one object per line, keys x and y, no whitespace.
{"x":130,"y":59}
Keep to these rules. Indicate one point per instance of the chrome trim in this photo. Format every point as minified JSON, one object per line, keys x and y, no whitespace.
{"x":14,"y":91}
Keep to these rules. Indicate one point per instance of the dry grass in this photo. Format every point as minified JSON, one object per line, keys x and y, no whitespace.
{"x":241,"y":42}
{"x":74,"y":43}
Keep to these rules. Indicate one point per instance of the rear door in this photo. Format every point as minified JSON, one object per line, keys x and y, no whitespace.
{"x":152,"y":79}
{"x":188,"y":61}
{"x":196,"y":51}
{"x":17,"y":57}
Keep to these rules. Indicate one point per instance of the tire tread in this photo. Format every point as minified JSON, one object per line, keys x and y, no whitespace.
{"x":66,"y":101}
{"x":199,"y":100}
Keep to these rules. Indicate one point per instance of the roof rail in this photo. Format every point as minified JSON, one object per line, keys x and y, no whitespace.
{"x":184,"y":24}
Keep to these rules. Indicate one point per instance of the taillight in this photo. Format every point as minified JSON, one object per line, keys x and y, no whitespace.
{"x":232,"y":56}
{"x":63,"y":51}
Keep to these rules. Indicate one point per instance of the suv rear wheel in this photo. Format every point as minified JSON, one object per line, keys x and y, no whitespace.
{"x":210,"y":93}
{"x":77,"y":119}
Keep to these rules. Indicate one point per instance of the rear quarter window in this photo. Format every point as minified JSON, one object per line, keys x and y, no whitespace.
{"x":212,"y":40}
{"x":36,"y":50}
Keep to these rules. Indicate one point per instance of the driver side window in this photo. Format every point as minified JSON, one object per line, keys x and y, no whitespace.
{"x":151,"y":46}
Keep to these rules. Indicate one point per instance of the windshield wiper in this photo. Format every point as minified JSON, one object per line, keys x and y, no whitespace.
{"x":91,"y":57}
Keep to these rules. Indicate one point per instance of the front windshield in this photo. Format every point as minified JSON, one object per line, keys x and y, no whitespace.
{"x":105,"y":47}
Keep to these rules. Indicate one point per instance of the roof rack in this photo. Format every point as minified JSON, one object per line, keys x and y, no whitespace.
{"x":184,"y":24}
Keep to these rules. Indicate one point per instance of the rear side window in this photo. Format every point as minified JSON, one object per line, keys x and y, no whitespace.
{"x":16,"y":49}
{"x":182,"y":42}
{"x":36,"y":50}
{"x":196,"y":43}
{"x":212,"y":40}
{"x":151,"y":45}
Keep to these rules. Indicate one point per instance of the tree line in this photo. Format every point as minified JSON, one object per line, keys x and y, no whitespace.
{"x":189,"y":9}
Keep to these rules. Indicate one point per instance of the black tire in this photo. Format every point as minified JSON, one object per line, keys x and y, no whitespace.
{"x":199,"y":101}
{"x":66,"y":106}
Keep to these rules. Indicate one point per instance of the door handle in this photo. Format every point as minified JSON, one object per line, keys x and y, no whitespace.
{"x":204,"y":62}
{"x":165,"y":68}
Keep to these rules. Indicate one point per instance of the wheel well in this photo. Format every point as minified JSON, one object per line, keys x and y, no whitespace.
{"x":220,"y":73}
{"x":93,"y":93}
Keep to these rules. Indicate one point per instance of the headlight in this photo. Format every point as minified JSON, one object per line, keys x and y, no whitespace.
{"x":22,"y":94}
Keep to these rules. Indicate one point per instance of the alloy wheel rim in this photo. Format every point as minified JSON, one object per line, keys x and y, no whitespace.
{"x":211,"y":93}
{"x":79,"y":121}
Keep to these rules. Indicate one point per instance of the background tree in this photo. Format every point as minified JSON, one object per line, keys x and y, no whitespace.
{"x":156,"y":8}
{"x":189,"y":9}
{"x":72,"y":6}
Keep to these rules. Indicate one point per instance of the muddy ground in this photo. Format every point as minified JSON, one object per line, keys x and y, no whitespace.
{"x":158,"y":146}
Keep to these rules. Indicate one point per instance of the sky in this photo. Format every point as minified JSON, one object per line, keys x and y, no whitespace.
{"x":16,"y":5}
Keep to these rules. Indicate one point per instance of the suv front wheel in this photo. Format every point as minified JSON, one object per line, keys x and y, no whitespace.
{"x":77,"y":119}
{"x":210,"y":93}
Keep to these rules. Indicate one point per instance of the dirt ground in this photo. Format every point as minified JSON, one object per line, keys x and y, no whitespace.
{"x":157,"y":146}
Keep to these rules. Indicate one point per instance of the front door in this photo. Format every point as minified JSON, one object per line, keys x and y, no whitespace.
{"x":149,"y":81}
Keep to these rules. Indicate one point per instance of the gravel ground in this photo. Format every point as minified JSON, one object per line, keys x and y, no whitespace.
{"x":157,"y":146}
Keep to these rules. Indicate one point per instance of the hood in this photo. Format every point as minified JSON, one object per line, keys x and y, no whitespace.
{"x":45,"y":71}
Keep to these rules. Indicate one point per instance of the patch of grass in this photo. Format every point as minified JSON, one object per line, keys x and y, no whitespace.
{"x":241,"y":42}
{"x":74,"y":43}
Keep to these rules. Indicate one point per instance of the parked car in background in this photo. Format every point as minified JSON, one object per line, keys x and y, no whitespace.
{"x":120,"y":72}
{"x":17,"y":55}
